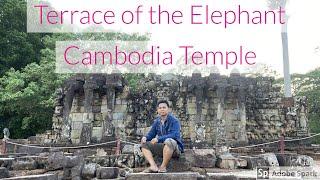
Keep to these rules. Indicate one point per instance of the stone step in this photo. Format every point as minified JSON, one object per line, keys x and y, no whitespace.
{"x":164,"y":176}
{"x":4,"y":173}
{"x":35,"y":177}
{"x":6,"y":162}
{"x":181,"y":164}
{"x":232,"y":176}
{"x":291,"y":159}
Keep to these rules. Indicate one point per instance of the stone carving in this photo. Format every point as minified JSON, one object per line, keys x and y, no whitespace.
{"x":200,"y":133}
{"x":6,"y":133}
{"x":213,"y":110}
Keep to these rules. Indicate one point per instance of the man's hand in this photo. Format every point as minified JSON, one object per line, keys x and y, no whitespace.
{"x":143,"y":140}
{"x":154,"y":140}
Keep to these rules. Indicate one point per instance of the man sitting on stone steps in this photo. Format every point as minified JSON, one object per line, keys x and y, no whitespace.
{"x":163,"y":139}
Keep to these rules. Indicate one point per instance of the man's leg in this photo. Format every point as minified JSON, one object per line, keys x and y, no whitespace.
{"x":149,"y":157}
{"x":168,"y":149}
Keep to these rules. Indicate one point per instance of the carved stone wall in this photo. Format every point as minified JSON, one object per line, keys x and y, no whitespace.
{"x":213,"y":110}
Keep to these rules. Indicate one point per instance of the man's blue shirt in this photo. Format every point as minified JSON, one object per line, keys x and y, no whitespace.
{"x":170,"y":129}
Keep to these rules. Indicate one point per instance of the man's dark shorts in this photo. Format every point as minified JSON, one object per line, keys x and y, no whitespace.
{"x":157,"y":148}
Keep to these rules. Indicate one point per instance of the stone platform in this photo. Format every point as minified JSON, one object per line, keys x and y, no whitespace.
{"x":165,"y":176}
{"x":35,"y":177}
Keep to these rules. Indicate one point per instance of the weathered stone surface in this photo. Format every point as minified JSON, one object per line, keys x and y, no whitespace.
{"x":304,"y":161}
{"x":101,"y":160}
{"x":213,"y":110}
{"x":55,"y":161}
{"x":163,"y":176}
{"x":180,"y":164}
{"x":270,"y":159}
{"x":123,"y":172}
{"x":227,"y":161}
{"x":36,"y":177}
{"x":107,"y":172}
{"x":67,"y":173}
{"x":97,"y":133}
{"x":101,"y":152}
{"x":207,"y":161}
{"x":72,"y":167}
{"x":71,"y":161}
{"x":122,"y":160}
{"x":128,"y":149}
{"x":4,"y":173}
{"x":254,"y":161}
{"x":204,"y":152}
{"x":204,"y":158}
{"x":242,"y":163}
{"x":29,"y":150}
{"x":89,"y":171}
{"x":84,"y":152}
{"x":232,"y":176}
{"x":76,"y":171}
{"x":24,"y":165}
{"x":6,"y":162}
{"x":42,"y":160}
{"x":221,"y":176}
{"x":294,"y":160}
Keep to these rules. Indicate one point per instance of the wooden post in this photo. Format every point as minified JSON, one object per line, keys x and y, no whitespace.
{"x":282,"y":144}
{"x":15,"y":149}
{"x":1,"y":147}
{"x":4,"y":146}
{"x":118,"y":146}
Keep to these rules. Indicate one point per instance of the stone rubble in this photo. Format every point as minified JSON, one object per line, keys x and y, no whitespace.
{"x":216,"y":112}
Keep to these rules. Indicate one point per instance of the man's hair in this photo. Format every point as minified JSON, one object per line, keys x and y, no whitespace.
{"x":163,"y":101}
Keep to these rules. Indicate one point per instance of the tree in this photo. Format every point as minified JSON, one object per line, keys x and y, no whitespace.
{"x":17,"y":47}
{"x":309,"y":85}
{"x":260,"y":70}
{"x":27,"y":95}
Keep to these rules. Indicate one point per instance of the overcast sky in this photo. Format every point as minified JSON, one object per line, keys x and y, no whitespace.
{"x":303,"y":33}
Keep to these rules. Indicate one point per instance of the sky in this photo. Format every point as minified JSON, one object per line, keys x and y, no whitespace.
{"x":303,"y":32}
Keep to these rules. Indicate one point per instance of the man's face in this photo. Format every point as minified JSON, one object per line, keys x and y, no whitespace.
{"x":163,"y":109}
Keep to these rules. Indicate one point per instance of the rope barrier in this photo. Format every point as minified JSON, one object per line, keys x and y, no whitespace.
{"x":132,"y":143}
{"x":127,"y":142}
{"x":287,"y":140}
{"x":255,"y":145}
{"x":70,"y":147}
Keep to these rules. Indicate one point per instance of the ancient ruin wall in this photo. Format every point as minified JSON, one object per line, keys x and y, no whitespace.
{"x":213,"y":110}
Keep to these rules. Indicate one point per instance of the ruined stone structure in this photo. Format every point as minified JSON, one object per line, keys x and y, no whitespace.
{"x":213,"y":110}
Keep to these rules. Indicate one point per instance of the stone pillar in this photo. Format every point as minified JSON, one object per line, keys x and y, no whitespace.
{"x":88,"y":115}
{"x":117,"y":105}
{"x":71,"y":87}
{"x":197,"y":85}
{"x":221,"y":126}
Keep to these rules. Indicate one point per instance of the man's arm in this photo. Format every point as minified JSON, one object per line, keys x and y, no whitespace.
{"x":174,"y":132}
{"x":153,"y":131}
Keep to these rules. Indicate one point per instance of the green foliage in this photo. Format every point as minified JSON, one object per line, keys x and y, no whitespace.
{"x":27,"y":98}
{"x":27,"y":64}
{"x":27,"y":95}
{"x":17,"y":47}
{"x":309,"y":85}
{"x":133,"y":80}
